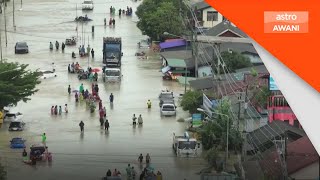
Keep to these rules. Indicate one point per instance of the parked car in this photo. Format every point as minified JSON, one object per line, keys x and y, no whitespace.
{"x":166,"y":101}
{"x":168,"y":110}
{"x":166,"y":95}
{"x":16,"y":125}
{"x":36,"y":150}
{"x":17,"y":143}
{"x":12,"y":116}
{"x":45,"y":74}
{"x":21,"y":48}
{"x":87,"y":5}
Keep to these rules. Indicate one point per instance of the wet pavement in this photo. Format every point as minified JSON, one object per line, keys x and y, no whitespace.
{"x":88,"y":156}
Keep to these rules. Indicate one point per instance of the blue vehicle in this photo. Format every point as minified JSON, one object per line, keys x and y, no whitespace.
{"x":17,"y":143}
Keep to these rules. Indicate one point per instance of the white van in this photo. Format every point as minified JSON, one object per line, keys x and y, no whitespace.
{"x":87,"y":5}
{"x":112,"y":75}
{"x":168,"y":110}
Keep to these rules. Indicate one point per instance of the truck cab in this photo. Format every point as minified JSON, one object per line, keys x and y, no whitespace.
{"x":184,"y":146}
{"x":111,"y":74}
{"x":112,"y":51}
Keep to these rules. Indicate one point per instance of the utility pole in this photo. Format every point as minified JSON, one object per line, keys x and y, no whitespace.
{"x":88,"y":52}
{"x":1,"y":45}
{"x":77,"y":21}
{"x":5,"y":24}
{"x":196,"y":54}
{"x":13,"y":20}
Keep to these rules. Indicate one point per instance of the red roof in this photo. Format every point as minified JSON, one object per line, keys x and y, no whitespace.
{"x":300,"y":154}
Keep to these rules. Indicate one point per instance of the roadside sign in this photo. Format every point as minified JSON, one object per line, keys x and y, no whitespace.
{"x":196,"y":119}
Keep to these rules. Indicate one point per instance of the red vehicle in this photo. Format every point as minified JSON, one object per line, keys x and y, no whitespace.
{"x":279,"y":109}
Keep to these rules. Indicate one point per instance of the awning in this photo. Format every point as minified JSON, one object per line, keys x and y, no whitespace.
{"x":180,"y":71}
{"x":176,"y":63}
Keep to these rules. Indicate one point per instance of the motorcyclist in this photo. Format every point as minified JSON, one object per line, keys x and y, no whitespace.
{"x":140,"y":120}
{"x":149,"y":104}
{"x":51,"y":46}
{"x":134,"y":118}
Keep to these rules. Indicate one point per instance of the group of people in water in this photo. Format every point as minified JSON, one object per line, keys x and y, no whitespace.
{"x":147,"y":173}
{"x":127,"y":12}
{"x":84,"y":51}
{"x":55,"y":110}
{"x":82,"y":74}
{"x":63,"y":46}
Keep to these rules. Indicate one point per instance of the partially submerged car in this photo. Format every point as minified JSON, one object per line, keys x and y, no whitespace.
{"x":12,"y":116}
{"x":37,"y":150}
{"x":168,"y":110}
{"x":17,"y":143}
{"x":45,"y":74}
{"x":166,"y":95}
{"x":21,"y":48}
{"x":16,"y":125}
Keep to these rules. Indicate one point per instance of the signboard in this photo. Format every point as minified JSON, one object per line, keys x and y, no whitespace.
{"x":196,"y":119}
{"x":272,"y":84}
{"x":207,"y":105}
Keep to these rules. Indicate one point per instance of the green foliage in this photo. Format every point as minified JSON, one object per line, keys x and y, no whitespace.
{"x":3,"y":173}
{"x":262,"y":95}
{"x":16,"y":83}
{"x":235,"y":60}
{"x":159,"y":16}
{"x":212,"y":156}
{"x":191,"y":100}
{"x":214,"y":133}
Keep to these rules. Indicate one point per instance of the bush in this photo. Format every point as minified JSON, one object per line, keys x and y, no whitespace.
{"x":191,"y":100}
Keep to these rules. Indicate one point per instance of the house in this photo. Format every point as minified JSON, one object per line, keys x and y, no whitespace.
{"x":225,"y":29}
{"x":302,"y":161}
{"x":207,"y":16}
{"x":246,"y":49}
{"x":262,"y":139}
{"x":179,"y":61}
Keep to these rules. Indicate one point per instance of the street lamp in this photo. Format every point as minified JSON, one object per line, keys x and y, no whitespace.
{"x":227,"y":148}
{"x":186,"y":71}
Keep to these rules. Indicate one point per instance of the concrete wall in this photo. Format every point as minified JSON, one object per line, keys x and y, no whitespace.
{"x":209,"y":24}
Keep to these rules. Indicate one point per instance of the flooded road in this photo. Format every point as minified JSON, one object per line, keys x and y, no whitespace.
{"x":88,"y":156}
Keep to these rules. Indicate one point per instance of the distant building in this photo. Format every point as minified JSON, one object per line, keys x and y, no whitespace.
{"x":207,"y":16}
{"x":302,"y":161}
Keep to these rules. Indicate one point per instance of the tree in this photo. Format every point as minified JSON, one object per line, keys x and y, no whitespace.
{"x":214,"y":133}
{"x":261,"y":96}
{"x":16,"y":83}
{"x":191,"y":100}
{"x":235,"y":60}
{"x":159,"y":16}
